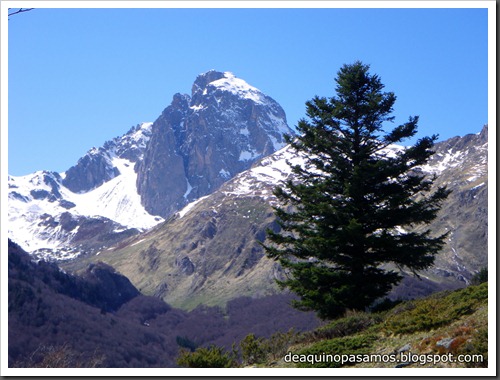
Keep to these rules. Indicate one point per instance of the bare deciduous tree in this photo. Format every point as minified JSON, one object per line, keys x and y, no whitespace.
{"x":20,"y":10}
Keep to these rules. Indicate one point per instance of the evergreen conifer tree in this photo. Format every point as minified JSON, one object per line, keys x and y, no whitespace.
{"x":351,"y":208}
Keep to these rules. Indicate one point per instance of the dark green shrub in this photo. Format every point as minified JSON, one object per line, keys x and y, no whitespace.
{"x":207,"y":357}
{"x":348,"y":325}
{"x":185,"y":342}
{"x":435,"y":311}
{"x":348,"y":345}
{"x":384,"y":305}
{"x":277,"y":345}
{"x":253,"y":349}
{"x":258,"y":350}
{"x":480,"y":277}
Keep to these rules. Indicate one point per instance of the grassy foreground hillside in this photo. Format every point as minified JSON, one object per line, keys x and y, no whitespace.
{"x":445,"y":330}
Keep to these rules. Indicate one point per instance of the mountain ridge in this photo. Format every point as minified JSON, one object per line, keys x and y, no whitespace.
{"x":188,"y":198}
{"x":210,"y":250}
{"x":153,"y":170}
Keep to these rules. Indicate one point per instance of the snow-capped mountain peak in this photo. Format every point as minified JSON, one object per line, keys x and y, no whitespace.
{"x":200,"y":142}
{"x":238,"y":87}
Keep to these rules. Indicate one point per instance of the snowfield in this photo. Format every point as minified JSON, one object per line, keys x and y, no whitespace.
{"x":116,"y":199}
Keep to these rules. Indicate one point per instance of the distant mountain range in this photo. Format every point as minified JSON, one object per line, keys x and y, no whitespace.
{"x":180,"y":205}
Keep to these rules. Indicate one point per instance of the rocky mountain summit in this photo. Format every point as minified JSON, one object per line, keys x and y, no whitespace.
{"x":201,"y":141}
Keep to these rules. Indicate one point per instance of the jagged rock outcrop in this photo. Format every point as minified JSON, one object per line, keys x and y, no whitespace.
{"x":45,"y":185}
{"x":97,"y":167}
{"x":91,"y":171}
{"x":201,"y":141}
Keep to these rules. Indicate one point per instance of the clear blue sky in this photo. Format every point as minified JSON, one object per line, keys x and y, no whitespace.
{"x":79,"y":77}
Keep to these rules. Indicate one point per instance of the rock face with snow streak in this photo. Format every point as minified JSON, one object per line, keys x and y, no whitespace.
{"x":96,"y":167}
{"x":91,"y":171}
{"x":201,"y":141}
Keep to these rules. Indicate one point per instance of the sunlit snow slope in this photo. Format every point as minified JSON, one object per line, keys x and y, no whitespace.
{"x":45,"y":215}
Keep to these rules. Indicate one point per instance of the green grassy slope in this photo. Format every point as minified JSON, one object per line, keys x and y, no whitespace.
{"x":210,"y":256}
{"x":435,"y":331}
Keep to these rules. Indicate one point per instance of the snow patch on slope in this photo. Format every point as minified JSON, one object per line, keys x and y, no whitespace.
{"x":116,"y":199}
{"x":446,"y":160}
{"x":30,"y":219}
{"x":188,"y":207}
{"x":271,"y":170}
{"x":141,"y":136}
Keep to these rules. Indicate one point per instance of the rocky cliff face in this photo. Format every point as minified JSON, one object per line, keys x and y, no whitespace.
{"x":91,"y":171}
{"x":201,"y":141}
{"x":97,"y":167}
